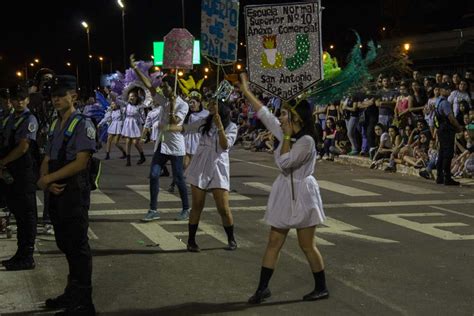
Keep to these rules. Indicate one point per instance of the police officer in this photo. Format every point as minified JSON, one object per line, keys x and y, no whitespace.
{"x":17,"y":171}
{"x":64,"y":175}
{"x":447,"y":126}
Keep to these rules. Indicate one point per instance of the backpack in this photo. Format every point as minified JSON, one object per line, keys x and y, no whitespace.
{"x":95,"y":165}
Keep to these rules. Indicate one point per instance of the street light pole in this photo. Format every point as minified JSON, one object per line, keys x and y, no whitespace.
{"x":182,"y":7}
{"x":86,"y":26}
{"x":124,"y":47}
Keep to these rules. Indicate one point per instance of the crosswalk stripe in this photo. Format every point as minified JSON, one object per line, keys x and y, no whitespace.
{"x":163,"y":196}
{"x":91,"y":234}
{"x":344,"y":189}
{"x":157,"y":234}
{"x":258,"y":185}
{"x":397,"y":186}
{"x":234,"y":197}
{"x":97,"y":197}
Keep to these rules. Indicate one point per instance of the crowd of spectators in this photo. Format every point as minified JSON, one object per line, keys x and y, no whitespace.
{"x":390,"y":121}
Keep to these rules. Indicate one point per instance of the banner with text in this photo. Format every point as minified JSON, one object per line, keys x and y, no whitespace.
{"x":220,"y":29}
{"x":284,"y":55}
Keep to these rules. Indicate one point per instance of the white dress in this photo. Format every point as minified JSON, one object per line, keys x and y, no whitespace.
{"x":132,"y":125}
{"x":191,"y":139}
{"x":294,"y":201}
{"x":114,"y":118}
{"x":209,"y":168}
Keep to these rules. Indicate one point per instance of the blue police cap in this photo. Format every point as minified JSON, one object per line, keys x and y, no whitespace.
{"x":63,"y":83}
{"x":18,"y":92}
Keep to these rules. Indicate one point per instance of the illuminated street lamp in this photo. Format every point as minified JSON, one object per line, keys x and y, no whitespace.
{"x":331,"y":46}
{"x":180,"y":73}
{"x":157,"y":68}
{"x":32,"y":64}
{"x":384,"y":29}
{"x":19,"y":74}
{"x":124,"y":50}
{"x":239,"y":66}
{"x":86,"y":26}
{"x":68,"y":64}
{"x":101,"y":65}
{"x":406,"y":46}
{"x":37,"y":60}
{"x":206,"y":69}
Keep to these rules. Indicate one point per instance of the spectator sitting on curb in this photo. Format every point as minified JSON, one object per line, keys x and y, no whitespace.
{"x":389,"y":141}
{"x":460,"y":161}
{"x":432,"y":160}
{"x":419,"y":158}
{"x":341,"y":142}
{"x":328,"y":137}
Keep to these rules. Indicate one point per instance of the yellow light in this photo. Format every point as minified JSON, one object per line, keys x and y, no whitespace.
{"x":19,"y":73}
{"x":331,"y":47}
{"x":384,"y":28}
{"x":206,"y":69}
{"x":241,"y":43}
{"x":152,"y":57}
{"x":85,"y":25}
{"x":239,"y":66}
{"x":37,"y":60}
{"x":157,"y":68}
{"x":32,"y":65}
{"x":325,"y":56}
{"x":101,"y":59}
{"x":205,"y":76}
{"x":90,"y":56}
{"x":360,"y":46}
{"x":180,"y":73}
{"x":407,"y":46}
{"x":68,"y":64}
{"x":120,"y":3}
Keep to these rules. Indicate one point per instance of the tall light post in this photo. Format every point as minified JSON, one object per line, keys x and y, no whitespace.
{"x":124,"y":49}
{"x":86,"y":26}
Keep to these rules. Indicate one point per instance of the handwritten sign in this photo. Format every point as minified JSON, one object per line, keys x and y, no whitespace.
{"x":220,"y":29}
{"x":178,"y":49}
{"x":284,"y":55}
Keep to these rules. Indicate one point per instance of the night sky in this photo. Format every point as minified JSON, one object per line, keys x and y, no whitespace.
{"x":40,"y":29}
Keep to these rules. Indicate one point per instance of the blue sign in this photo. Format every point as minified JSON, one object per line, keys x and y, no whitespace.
{"x":220,"y":29}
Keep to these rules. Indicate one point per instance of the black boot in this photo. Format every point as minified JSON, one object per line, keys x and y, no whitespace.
{"x":260,"y":296}
{"x":231,"y":243}
{"x":263,"y":291}
{"x":129,"y":163}
{"x":23,"y":261}
{"x":142,"y":159}
{"x":107,"y":156}
{"x":15,"y":256}
{"x":63,"y":300}
{"x":81,"y":302}
{"x":124,"y":155}
{"x":192,"y":246}
{"x":320,"y":290}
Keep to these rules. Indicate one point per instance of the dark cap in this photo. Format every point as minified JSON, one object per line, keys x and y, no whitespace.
{"x":445,"y":86}
{"x":18,"y":92}
{"x":4,"y":94}
{"x":63,"y":84}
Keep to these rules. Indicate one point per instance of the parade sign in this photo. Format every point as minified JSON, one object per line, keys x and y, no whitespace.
{"x":220,"y":29}
{"x":284,"y":54}
{"x":178,"y":50}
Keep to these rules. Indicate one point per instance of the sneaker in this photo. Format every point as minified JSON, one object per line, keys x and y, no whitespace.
{"x":183,"y":216}
{"x":48,"y":229}
{"x":316,"y":295}
{"x":373,"y":165}
{"x":425,"y":174}
{"x":152,"y":215}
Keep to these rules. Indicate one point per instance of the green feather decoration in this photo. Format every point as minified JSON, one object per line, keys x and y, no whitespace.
{"x":351,"y":78}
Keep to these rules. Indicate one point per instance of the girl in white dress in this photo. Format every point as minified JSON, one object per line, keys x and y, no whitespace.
{"x":209,"y":169}
{"x":114,"y":118}
{"x":294,"y":201}
{"x":191,"y":139}
{"x":132,"y":124}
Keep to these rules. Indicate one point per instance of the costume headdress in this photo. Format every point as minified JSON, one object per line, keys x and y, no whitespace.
{"x":190,"y":88}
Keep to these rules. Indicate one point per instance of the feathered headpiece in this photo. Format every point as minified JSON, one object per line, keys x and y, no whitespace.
{"x":190,"y":88}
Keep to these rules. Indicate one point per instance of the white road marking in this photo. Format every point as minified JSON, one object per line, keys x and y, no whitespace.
{"x":451,"y":211}
{"x":157,"y":234}
{"x":397,"y":186}
{"x":254,"y":163}
{"x":91,"y":234}
{"x":144,"y":191}
{"x":344,"y":189}
{"x":260,"y":186}
{"x":425,"y":228}
{"x":233,"y":197}
{"x":38,"y":201}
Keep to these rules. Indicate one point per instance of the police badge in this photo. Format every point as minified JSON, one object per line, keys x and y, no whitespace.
{"x":91,"y":132}
{"x":32,"y":127}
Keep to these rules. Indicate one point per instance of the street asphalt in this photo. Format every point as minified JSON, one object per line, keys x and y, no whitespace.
{"x":392,"y":245}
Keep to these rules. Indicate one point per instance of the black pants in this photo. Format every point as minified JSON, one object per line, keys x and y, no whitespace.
{"x":70,"y":229}
{"x":446,"y":153}
{"x":370,"y":122}
{"x":23,"y":207}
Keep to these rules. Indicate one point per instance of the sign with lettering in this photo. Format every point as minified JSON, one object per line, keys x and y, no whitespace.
{"x":284,"y":55}
{"x":178,"y":49}
{"x":220,"y":29}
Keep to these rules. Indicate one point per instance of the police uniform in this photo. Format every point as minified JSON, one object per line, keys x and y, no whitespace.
{"x":69,"y":209}
{"x":446,"y":138}
{"x":4,"y":112}
{"x":20,"y":194}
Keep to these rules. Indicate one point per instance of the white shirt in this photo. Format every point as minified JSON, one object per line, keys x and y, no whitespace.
{"x":295,"y":200}
{"x":172,"y":143}
{"x":152,"y":122}
{"x":456,"y":97}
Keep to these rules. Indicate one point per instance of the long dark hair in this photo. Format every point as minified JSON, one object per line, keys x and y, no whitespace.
{"x":308,"y":127}
{"x":186,"y":119}
{"x":224,"y":112}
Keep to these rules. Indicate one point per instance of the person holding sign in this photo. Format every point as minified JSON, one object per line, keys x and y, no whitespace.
{"x":295,"y":201}
{"x":209,"y":169}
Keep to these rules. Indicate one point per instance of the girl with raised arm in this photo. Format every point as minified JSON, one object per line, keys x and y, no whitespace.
{"x":295,"y":201}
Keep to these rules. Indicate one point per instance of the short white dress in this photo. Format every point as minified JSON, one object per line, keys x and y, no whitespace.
{"x":132,"y":124}
{"x":114,"y":118}
{"x":191,"y":139}
{"x":295,"y":200}
{"x":210,"y":166}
